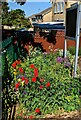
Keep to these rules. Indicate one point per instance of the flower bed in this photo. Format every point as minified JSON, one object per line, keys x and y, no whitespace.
{"x":43,"y":84}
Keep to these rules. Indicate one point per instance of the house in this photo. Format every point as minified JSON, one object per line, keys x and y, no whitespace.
{"x":43,"y":16}
{"x":32,"y":18}
{"x":59,"y":8}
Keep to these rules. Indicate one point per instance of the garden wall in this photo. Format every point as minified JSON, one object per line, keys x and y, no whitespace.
{"x":47,"y":41}
{"x":54,"y":40}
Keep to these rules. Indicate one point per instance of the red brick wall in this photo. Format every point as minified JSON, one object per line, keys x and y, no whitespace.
{"x":55,"y":41}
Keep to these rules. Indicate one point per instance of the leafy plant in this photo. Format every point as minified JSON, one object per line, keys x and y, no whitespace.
{"x":44,"y":84}
{"x":72,"y":50}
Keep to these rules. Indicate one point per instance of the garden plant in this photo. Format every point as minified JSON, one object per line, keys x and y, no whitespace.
{"x":43,"y":84}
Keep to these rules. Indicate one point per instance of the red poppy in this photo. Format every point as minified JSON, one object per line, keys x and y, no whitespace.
{"x":41,"y":87}
{"x":48,"y":84}
{"x":33,"y":79}
{"x":36,"y":72}
{"x":17,"y":85}
{"x":32,"y":66}
{"x":31,"y":117}
{"x":21,"y":70}
{"x":23,"y":78}
{"x":14,"y":65}
{"x":37,"y":110}
{"x":26,"y":81}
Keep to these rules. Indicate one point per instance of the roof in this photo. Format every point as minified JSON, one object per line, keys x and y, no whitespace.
{"x":44,"y":11}
{"x":32,"y":16}
{"x":41,"y":13}
{"x":50,"y":25}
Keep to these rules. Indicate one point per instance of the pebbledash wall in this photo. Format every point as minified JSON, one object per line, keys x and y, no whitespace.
{"x":50,"y":42}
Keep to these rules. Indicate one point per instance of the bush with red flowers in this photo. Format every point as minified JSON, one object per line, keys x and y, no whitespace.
{"x":46,"y":85}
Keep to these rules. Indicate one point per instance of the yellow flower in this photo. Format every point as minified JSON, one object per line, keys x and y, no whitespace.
{"x":14,"y":70}
{"x":19,"y":80}
{"x":15,"y":73}
{"x":22,"y":83}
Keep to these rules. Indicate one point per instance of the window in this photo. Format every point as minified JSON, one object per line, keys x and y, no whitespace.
{"x":62,"y":6}
{"x":58,"y":7}
{"x":33,"y":19}
{"x":55,"y":8}
{"x":37,"y":17}
{"x":40,"y":17}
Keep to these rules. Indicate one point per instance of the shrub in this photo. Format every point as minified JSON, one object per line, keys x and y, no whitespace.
{"x":44,"y":84}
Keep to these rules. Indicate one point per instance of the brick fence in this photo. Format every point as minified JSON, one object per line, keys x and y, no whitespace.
{"x":47,"y":41}
{"x":53,"y":41}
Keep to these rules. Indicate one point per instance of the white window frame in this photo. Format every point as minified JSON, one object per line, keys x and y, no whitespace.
{"x":62,"y":6}
{"x":55,"y":8}
{"x":58,"y":7}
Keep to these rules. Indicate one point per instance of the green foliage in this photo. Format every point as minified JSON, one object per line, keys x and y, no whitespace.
{"x":52,"y":89}
{"x":0,"y":65}
{"x":9,"y":97}
{"x":14,"y":18}
{"x":72,"y":50}
{"x":17,"y":18}
{"x":5,"y":9}
{"x":80,"y":84}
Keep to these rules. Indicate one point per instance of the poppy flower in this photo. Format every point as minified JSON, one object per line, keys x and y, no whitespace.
{"x":14,"y":65}
{"x":17,"y":85}
{"x":31,"y":117}
{"x":23,"y":78}
{"x":48,"y":84}
{"x":36,"y":72}
{"x":32,"y":66}
{"x":41,"y":87}
{"x":26,"y":81}
{"x":37,"y":110}
{"x":21,"y":70}
{"x":33,"y":79}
